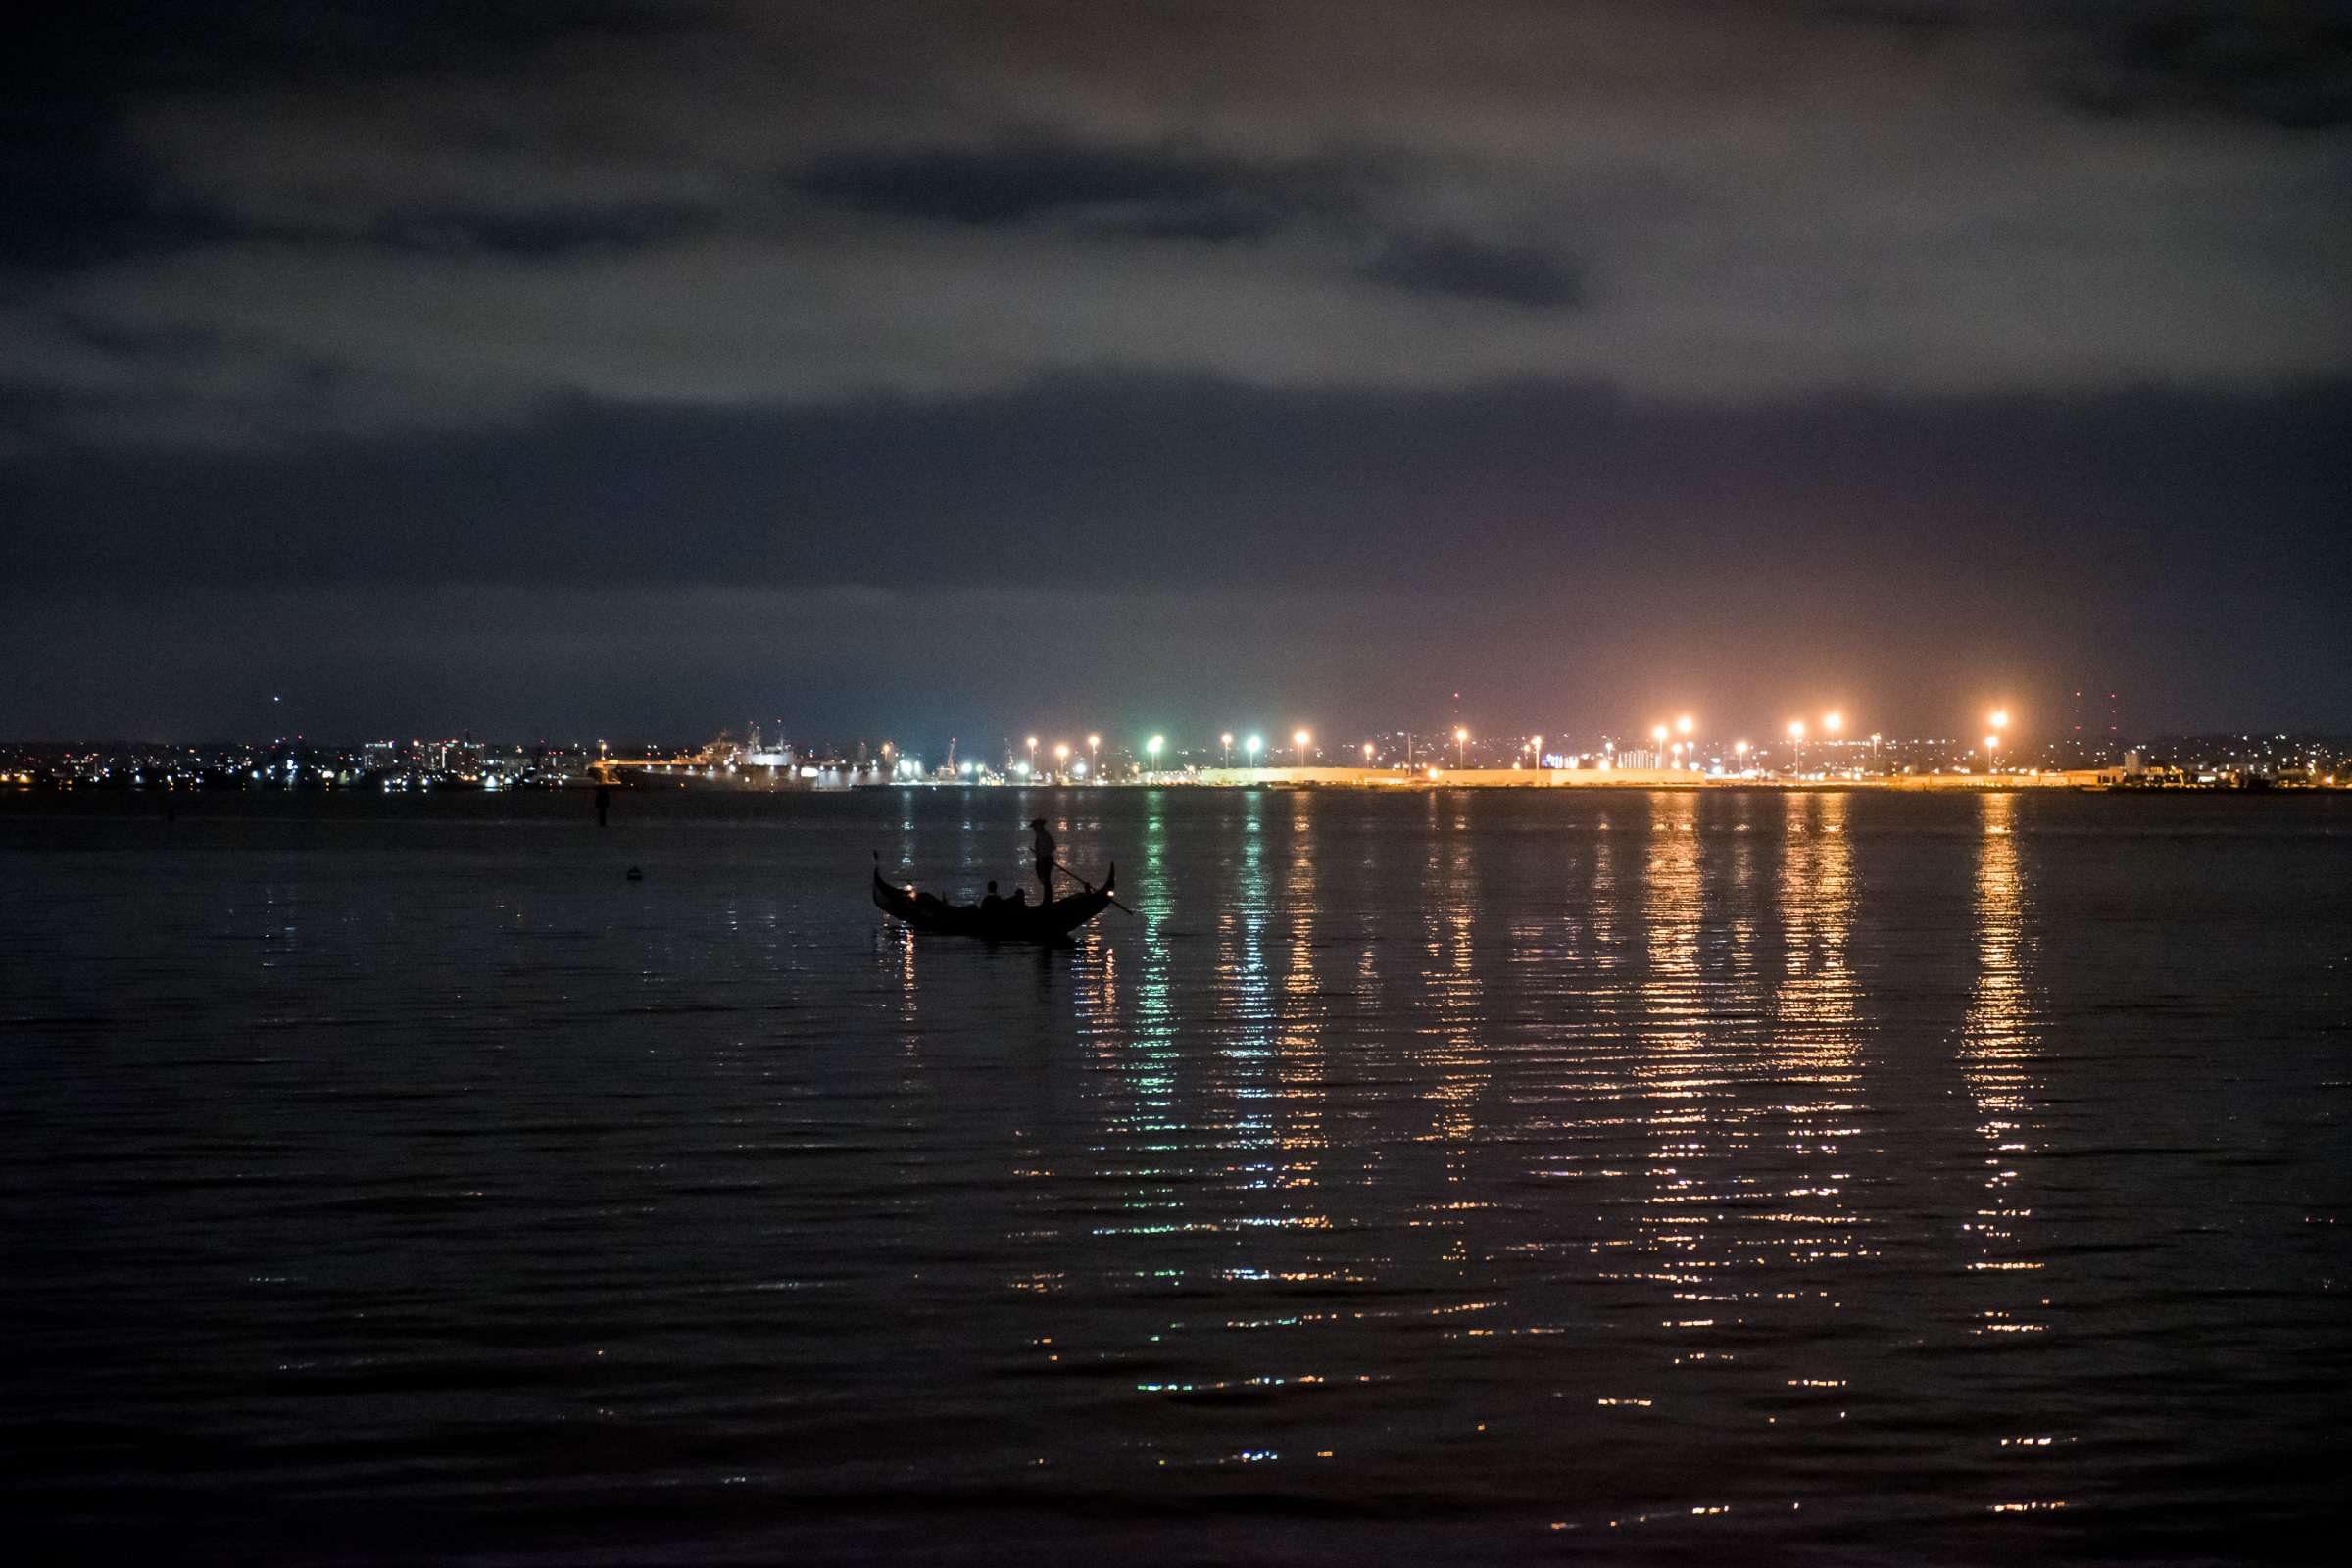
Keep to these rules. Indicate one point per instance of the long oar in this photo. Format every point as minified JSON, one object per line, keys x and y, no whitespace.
{"x":1084,"y":883}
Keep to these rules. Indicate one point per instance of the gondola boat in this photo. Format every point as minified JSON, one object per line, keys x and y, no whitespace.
{"x":1013,"y":922}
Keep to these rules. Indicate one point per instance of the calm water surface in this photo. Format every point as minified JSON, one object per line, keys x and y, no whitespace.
{"x":1483,"y":1177}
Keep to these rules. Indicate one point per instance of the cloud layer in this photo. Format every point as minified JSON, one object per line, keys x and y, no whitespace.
{"x":330,"y":219}
{"x":2013,"y":333}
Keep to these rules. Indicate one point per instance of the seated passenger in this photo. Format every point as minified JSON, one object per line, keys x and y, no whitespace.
{"x":990,"y":903}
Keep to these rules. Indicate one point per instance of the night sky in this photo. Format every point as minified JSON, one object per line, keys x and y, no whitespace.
{"x":580,"y":368}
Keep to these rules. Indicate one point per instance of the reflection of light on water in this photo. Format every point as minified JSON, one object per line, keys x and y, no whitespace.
{"x":1144,"y":1139}
{"x":1816,"y":1029}
{"x":1816,"y":1039}
{"x":1741,"y":927}
{"x":1672,"y":1067}
{"x":1450,"y":977}
{"x":1816,"y":1004}
{"x":1750,"y":1097}
{"x":1998,"y":1047}
{"x":1726,"y":1076}
{"x":2000,"y":1042}
{"x":1149,"y":1063}
{"x":1299,"y":1049}
{"x":1244,"y":986}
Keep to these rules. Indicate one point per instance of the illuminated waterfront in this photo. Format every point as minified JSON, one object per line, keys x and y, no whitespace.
{"x":1454,"y":1172}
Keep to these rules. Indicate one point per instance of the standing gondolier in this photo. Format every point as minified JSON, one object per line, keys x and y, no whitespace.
{"x":1042,"y":845}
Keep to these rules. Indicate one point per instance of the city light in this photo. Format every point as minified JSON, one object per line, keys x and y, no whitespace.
{"x":1461,"y":746}
{"x":1683,"y":723}
{"x":2235,"y":762}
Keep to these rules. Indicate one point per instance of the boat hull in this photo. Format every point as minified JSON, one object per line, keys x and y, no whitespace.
{"x":1030,"y":922}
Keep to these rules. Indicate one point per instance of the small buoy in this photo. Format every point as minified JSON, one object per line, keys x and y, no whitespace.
{"x":635,"y":874}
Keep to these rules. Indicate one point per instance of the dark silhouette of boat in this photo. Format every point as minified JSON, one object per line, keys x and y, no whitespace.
{"x":1008,"y":923}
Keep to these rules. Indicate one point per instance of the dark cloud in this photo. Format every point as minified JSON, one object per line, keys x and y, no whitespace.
{"x":1457,"y":265}
{"x":216,"y":46}
{"x":558,"y":231}
{"x":2288,"y":66}
{"x":468,"y":220}
{"x":78,"y":191}
{"x":1130,"y":485}
{"x":1175,"y":194}
{"x":1167,"y":192}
